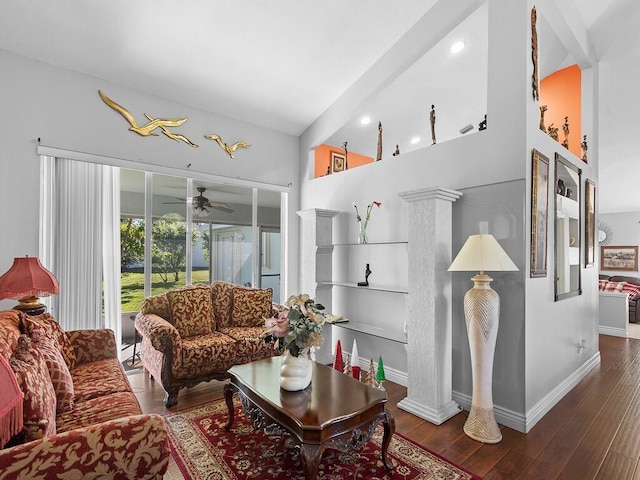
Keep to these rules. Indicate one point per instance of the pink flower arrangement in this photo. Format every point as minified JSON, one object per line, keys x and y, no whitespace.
{"x":297,"y":328}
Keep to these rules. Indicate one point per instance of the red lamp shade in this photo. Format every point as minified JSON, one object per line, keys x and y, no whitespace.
{"x":25,"y":281}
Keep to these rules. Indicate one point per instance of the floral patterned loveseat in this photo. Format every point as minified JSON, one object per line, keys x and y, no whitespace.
{"x":196,"y":333}
{"x":81,"y":417}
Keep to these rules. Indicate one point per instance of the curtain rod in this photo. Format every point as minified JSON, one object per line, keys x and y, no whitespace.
{"x":136,"y":165}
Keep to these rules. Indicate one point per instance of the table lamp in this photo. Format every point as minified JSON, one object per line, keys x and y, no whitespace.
{"x":25,"y":281}
{"x":482,"y":312}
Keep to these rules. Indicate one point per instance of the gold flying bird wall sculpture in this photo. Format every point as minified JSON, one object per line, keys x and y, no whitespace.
{"x":230,"y":149}
{"x":148,"y":129}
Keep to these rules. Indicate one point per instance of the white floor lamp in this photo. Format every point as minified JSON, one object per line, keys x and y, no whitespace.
{"x":482,"y":313}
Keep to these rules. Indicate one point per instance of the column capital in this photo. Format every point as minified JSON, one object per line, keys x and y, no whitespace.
{"x":441,"y":193}
{"x":317,"y":212}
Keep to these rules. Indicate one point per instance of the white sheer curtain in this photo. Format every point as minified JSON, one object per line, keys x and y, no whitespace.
{"x":80,"y":241}
{"x":111,"y":250}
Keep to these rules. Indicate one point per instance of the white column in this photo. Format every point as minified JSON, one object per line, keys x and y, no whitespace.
{"x":429,"y":362}
{"x":316,"y":252}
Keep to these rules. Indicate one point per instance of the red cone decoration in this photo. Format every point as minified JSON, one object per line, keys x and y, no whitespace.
{"x":337,"y":360}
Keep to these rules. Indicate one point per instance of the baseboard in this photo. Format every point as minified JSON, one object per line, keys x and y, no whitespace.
{"x":540,"y":409}
{"x":524,"y":423}
{"x":614,"y":332}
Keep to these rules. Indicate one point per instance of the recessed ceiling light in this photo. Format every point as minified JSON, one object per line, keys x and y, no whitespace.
{"x":415,"y":140}
{"x":457,"y":47}
{"x":365,"y":121}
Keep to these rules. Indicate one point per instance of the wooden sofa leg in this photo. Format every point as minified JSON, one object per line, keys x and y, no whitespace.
{"x":171,"y":398}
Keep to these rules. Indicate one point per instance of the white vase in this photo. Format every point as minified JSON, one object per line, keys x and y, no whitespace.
{"x":295,"y":372}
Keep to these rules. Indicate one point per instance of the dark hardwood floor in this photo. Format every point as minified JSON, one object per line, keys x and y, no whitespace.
{"x":592,"y":433}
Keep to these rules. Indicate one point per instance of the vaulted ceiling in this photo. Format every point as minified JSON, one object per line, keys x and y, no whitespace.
{"x":282,"y":63}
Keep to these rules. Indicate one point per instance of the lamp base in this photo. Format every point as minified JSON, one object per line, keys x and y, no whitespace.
{"x":481,"y":425}
{"x":31,"y":306}
{"x":482,"y":312}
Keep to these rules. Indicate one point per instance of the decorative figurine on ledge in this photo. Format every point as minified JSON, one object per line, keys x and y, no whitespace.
{"x":565,"y":129}
{"x":346,"y":156}
{"x":585,"y":147}
{"x":379,"y":150}
{"x":553,"y":132}
{"x":397,"y":152}
{"x":483,"y":124}
{"x":543,"y":108}
{"x":432,"y":119}
{"x":367,"y":272}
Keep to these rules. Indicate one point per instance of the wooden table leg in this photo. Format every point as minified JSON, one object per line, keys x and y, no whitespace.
{"x":229,"y":390}
{"x":310,"y":456}
{"x":389,"y":429}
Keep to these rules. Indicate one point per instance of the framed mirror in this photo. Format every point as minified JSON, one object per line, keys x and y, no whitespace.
{"x":568,"y":239}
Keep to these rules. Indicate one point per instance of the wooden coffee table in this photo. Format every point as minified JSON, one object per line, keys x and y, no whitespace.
{"x":335,"y":411}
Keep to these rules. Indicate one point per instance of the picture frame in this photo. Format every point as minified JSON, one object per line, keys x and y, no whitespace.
{"x":619,"y":257}
{"x":338,"y":161}
{"x":539,"y":213}
{"x":590,"y":223}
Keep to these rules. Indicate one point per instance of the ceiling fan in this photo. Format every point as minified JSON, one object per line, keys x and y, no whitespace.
{"x":201,"y":204}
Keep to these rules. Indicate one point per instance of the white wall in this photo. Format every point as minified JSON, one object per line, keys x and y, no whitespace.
{"x":63,"y":109}
{"x":536,"y":356}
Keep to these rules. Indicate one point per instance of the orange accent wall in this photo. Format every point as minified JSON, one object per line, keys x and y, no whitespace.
{"x":323,"y":159}
{"x":561,"y":92}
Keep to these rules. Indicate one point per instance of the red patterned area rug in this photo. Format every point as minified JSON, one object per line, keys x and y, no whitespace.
{"x":204,"y":450}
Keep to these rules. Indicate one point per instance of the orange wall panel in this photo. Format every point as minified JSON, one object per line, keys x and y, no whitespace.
{"x":323,"y":159}
{"x":561,"y":92}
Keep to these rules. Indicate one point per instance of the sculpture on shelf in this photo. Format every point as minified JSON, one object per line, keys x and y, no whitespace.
{"x":397,"y":152}
{"x":230,"y":149}
{"x":585,"y":147}
{"x":346,"y":156}
{"x":553,"y":132}
{"x":560,"y":189}
{"x":543,"y":108}
{"x":483,"y":124}
{"x":432,"y":119}
{"x":565,"y":130}
{"x":534,"y":54}
{"x":367,"y":272}
{"x":153,"y":123}
{"x":379,"y":151}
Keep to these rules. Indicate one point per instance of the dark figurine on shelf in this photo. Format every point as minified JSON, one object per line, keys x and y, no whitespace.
{"x":346,"y":156}
{"x":397,"y":152}
{"x":367,"y":272}
{"x":379,"y":150}
{"x":329,"y":170}
{"x":543,"y":108}
{"x":585,"y":147}
{"x":560,"y":190}
{"x":553,"y":132}
{"x":565,"y":130}
{"x":483,"y":124}
{"x":432,"y":119}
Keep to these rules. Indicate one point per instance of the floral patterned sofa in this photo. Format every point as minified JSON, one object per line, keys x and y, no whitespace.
{"x":81,"y":417}
{"x":194,"y":334}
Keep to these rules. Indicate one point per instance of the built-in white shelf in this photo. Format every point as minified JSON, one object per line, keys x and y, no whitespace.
{"x":370,"y":287}
{"x":359,"y":327}
{"x":369,"y":243}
